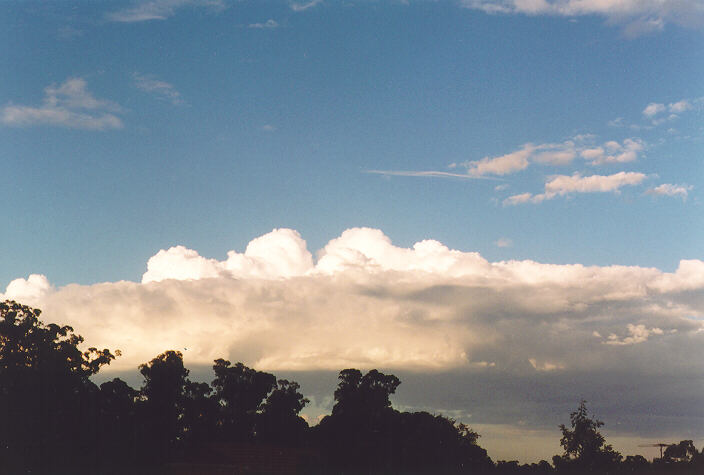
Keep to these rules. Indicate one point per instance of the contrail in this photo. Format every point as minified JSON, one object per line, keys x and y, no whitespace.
{"x":430,"y":173}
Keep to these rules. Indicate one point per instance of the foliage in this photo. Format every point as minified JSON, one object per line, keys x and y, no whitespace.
{"x":370,"y":393}
{"x":511,"y":467}
{"x":584,"y":445}
{"x":635,"y":464}
{"x":200,"y":414}
{"x":27,"y":344}
{"x":279,"y":421}
{"x":682,"y":452}
{"x":47,"y":401}
{"x":117,"y":420}
{"x":364,"y":433}
{"x":161,"y":403}
{"x":239,"y":391}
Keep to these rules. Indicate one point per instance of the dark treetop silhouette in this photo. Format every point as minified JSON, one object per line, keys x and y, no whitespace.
{"x":54,"y":419}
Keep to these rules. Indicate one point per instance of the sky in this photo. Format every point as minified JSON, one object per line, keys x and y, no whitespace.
{"x":497,"y":200}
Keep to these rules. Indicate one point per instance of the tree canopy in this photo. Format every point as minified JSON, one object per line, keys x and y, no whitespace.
{"x":46,"y":397}
{"x":682,"y":452}
{"x":584,"y":445}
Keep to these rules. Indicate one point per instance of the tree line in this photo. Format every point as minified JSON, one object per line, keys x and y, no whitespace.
{"x":55,"y":419}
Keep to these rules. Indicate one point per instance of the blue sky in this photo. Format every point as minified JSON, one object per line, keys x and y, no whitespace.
{"x":275,"y":127}
{"x":557,"y":131}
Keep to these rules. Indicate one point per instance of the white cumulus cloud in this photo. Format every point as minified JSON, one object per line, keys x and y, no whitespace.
{"x":576,"y":183}
{"x":654,"y":109}
{"x":659,"y":113}
{"x":368,"y":303}
{"x":544,"y":365}
{"x":502,"y":165}
{"x":680,"y":106}
{"x":637,"y":334}
{"x":29,"y":290}
{"x":278,"y":254}
{"x":547,"y":154}
{"x":614,"y":152}
{"x":669,"y":189}
{"x":561,"y":185}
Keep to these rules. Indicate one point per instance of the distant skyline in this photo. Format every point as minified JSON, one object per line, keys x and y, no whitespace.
{"x":507,"y":192}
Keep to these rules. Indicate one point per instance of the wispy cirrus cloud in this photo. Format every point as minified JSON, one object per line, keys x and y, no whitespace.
{"x":69,"y":32}
{"x":70,"y":105}
{"x":160,"y":9}
{"x":160,"y":89}
{"x":546,"y":154}
{"x":561,"y":185}
{"x":303,"y":6}
{"x":637,"y":17}
{"x":494,"y":167}
{"x":269,"y":24}
{"x":427,"y":173}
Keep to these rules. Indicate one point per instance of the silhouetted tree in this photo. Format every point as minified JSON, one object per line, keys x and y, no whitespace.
{"x":436,"y":444}
{"x":161,"y":405}
{"x":239,"y":391}
{"x":542,"y":467}
{"x":635,"y":464}
{"x":279,"y":421}
{"x":364,"y":434}
{"x":47,"y":401}
{"x":698,"y":461}
{"x":200,"y":414}
{"x":117,"y":423}
{"x":584,"y":445}
{"x":356,"y":394}
{"x":682,"y":452}
{"x":359,"y":433}
{"x":514,"y":467}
